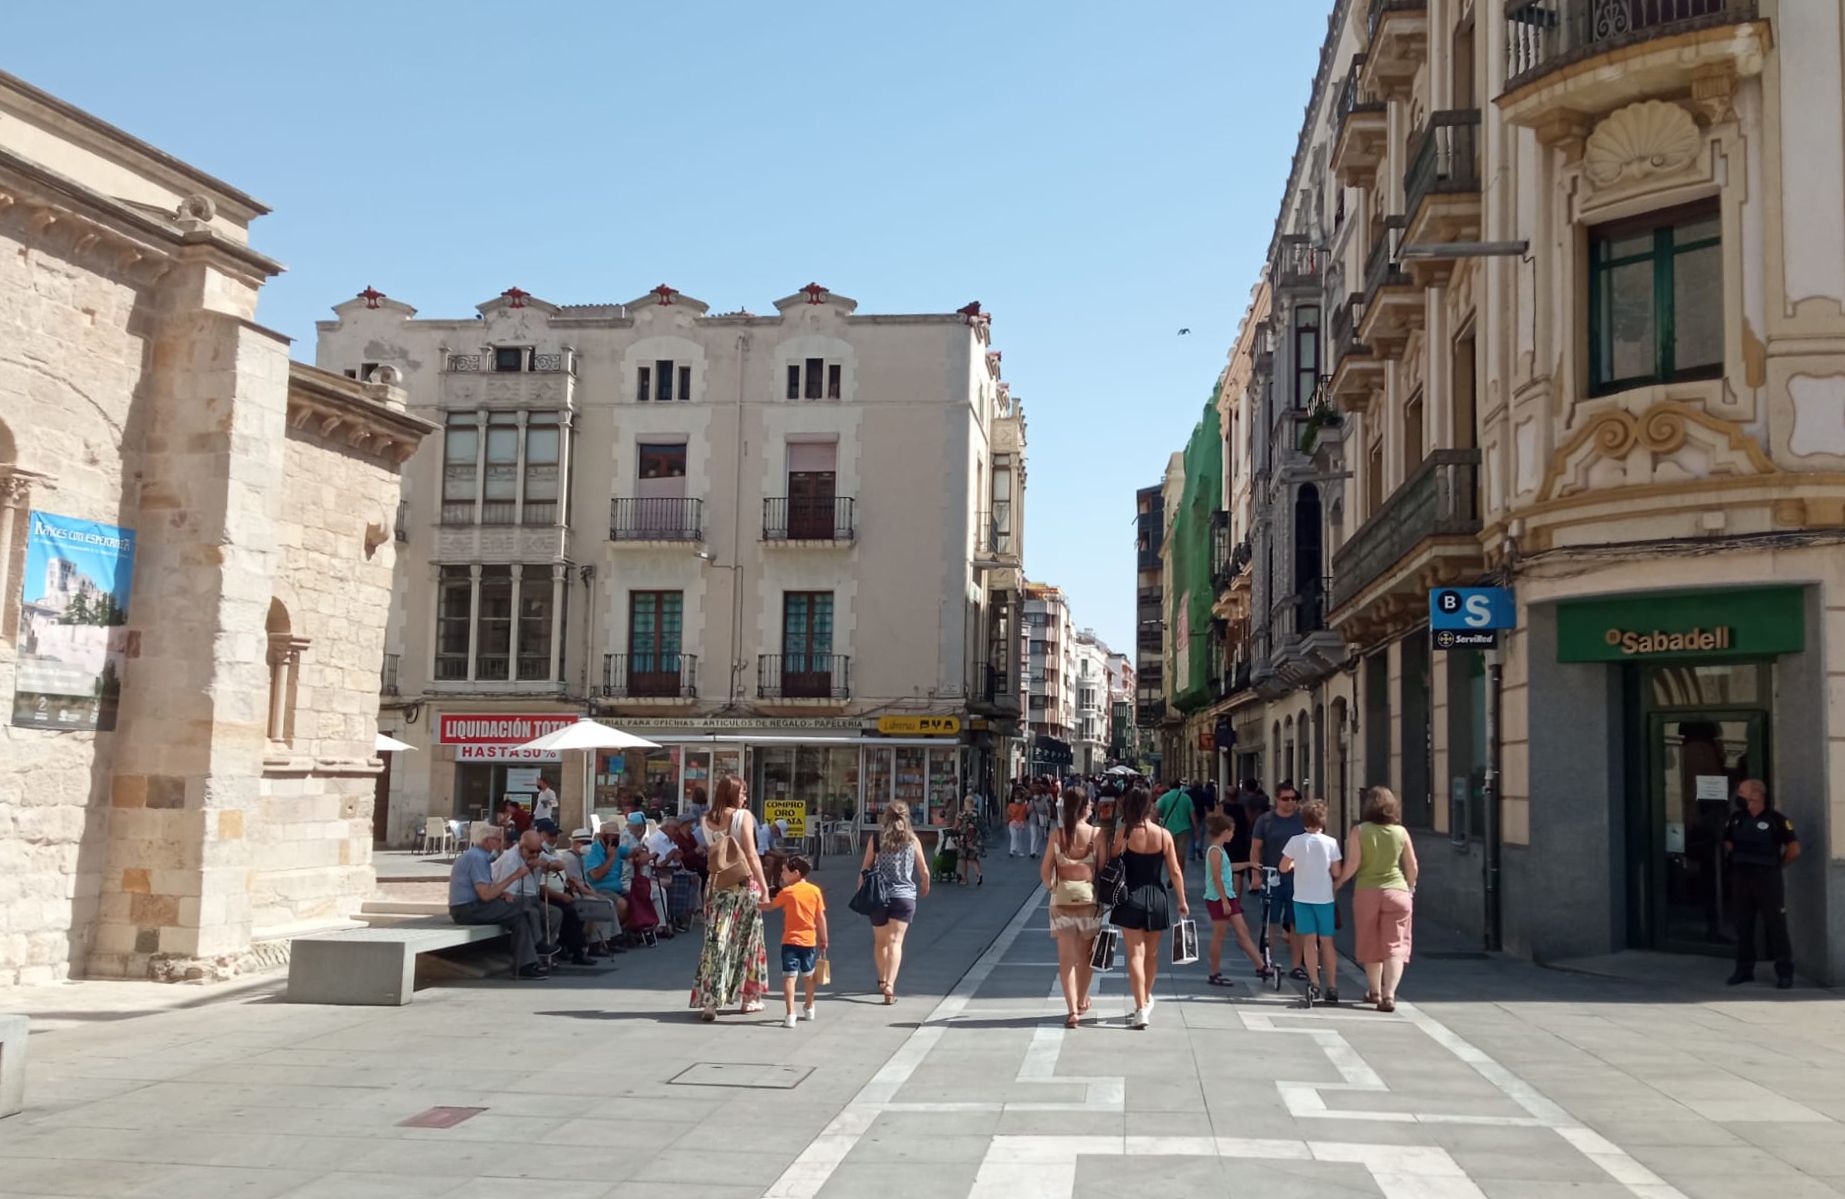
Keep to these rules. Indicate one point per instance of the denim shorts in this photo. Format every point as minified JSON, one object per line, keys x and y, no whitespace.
{"x":799,"y":959}
{"x":897,"y":909}
{"x":1314,"y":919}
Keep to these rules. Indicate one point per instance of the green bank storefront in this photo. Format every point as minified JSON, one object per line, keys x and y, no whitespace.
{"x":1646,"y":711}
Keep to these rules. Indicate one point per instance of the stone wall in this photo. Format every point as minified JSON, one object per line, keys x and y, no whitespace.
{"x":70,"y":364}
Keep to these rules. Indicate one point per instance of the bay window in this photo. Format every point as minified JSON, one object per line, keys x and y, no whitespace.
{"x":1656,"y":300}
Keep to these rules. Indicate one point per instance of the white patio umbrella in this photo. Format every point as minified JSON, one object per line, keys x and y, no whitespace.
{"x":588,"y":735}
{"x":1120,"y":770}
{"x":389,"y":745}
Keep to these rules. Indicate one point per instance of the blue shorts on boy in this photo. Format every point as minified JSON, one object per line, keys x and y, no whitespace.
{"x":800,"y":959}
{"x":1314,"y":919}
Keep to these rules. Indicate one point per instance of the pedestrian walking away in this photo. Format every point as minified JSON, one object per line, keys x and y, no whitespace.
{"x":897,"y":855}
{"x":1203,"y":804}
{"x":1760,"y":844}
{"x":1145,"y":913}
{"x":733,"y":965}
{"x":1380,"y":859}
{"x":804,"y":939}
{"x":1068,"y":874}
{"x":1175,"y":816}
{"x":1041,"y":804}
{"x":1267,"y":840}
{"x":1018,"y":816}
{"x":1220,"y":870}
{"x":1310,"y":857}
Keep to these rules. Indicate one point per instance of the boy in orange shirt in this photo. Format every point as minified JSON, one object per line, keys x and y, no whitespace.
{"x":803,"y":910}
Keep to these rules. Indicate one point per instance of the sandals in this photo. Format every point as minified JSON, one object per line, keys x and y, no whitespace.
{"x":890,"y":994}
{"x":1218,"y":980}
{"x":1373,"y":998}
{"x":1071,"y":1020}
{"x":1386,"y":1005}
{"x":1299,"y":974}
{"x":708,"y":1015}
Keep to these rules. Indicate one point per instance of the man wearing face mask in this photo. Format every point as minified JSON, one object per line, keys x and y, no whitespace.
{"x":524,"y":867}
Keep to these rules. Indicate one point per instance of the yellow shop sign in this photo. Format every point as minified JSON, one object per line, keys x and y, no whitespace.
{"x":1691,"y":641}
{"x":919,"y":726}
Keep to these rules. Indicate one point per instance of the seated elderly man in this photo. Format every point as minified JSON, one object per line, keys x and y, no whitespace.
{"x":601,"y":922}
{"x":528,"y":860}
{"x":476,"y":896}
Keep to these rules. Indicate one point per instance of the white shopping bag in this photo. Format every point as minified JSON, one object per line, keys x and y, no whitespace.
{"x":1106,"y":942}
{"x":1184,"y":943}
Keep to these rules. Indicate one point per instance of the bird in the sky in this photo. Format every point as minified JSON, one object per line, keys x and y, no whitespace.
{"x":1183,"y":332}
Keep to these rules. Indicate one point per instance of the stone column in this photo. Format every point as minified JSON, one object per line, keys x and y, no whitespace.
{"x":15,"y":502}
{"x":473,"y":612}
{"x":559,"y":571}
{"x":519,"y":488}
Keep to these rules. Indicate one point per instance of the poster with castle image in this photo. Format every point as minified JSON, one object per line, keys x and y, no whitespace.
{"x":73,"y":635}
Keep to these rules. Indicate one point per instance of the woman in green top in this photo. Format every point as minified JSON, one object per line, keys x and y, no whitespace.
{"x":1381,"y":857}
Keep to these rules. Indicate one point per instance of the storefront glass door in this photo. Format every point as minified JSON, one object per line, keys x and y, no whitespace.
{"x":1705,"y":734}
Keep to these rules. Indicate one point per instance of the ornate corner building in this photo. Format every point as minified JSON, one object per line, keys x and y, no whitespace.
{"x":1555,"y":301}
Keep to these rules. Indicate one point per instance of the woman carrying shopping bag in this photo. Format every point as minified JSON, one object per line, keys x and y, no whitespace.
{"x":1145,"y":912}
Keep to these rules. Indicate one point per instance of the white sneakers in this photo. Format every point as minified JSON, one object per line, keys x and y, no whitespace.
{"x":788,"y":1020}
{"x":807,"y":1013}
{"x":1137,"y":1018}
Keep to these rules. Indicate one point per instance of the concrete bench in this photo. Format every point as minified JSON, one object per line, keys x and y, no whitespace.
{"x":375,"y":965}
{"x":13,"y":1030}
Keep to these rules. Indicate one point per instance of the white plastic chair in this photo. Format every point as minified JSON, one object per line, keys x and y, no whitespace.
{"x":438,"y":837}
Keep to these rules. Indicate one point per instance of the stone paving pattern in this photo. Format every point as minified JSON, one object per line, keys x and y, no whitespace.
{"x":1501,"y":1079}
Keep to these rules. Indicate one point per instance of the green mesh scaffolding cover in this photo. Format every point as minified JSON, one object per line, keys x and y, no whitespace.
{"x":1190,"y":559}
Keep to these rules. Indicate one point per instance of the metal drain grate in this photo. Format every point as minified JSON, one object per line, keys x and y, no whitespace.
{"x":748,"y":1075}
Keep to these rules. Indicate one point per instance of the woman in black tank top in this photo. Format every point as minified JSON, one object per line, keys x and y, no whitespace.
{"x":1145,"y":914}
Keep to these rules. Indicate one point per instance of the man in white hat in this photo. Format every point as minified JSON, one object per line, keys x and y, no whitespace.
{"x":601,"y":922}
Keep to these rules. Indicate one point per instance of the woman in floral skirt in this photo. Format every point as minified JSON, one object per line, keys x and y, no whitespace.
{"x":733,"y":967}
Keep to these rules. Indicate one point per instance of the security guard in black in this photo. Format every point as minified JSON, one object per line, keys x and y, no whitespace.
{"x":1759,"y":842}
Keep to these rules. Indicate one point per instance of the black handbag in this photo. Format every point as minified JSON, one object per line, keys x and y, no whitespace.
{"x":873,"y":894}
{"x":1111,"y":882}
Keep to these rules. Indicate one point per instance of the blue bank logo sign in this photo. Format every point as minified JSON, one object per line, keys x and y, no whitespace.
{"x":1472,"y":609}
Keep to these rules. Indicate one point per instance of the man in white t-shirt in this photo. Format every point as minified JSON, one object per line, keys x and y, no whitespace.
{"x":544,"y":804}
{"x":1310,"y":857}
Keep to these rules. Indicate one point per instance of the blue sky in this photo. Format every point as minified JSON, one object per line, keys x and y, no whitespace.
{"x":1098,"y":176}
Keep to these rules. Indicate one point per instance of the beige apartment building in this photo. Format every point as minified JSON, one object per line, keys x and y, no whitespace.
{"x":195,"y":559}
{"x":1050,"y":691}
{"x":1559,"y":305}
{"x":783,"y":546}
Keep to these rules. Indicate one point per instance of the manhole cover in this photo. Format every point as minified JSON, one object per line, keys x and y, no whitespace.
{"x":441,"y":1117}
{"x":741,"y":1074}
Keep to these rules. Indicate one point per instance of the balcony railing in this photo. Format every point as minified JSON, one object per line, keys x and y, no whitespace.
{"x":1354,"y":96}
{"x":1223,"y":551}
{"x":458,"y":512}
{"x":1301,"y":613}
{"x":656,"y":518}
{"x":1543,"y":35}
{"x":803,"y":676}
{"x":1383,"y":8}
{"x":1444,"y":159}
{"x":799,"y":518}
{"x":1149,"y":597}
{"x":1342,"y":326}
{"x":1297,"y":261}
{"x":1383,"y":265}
{"x":1441,"y":499}
{"x":653,"y":675}
{"x":400,"y":528}
{"x":531,"y":363}
{"x":1149,"y":639}
{"x":995,"y":686}
{"x":387,"y":677}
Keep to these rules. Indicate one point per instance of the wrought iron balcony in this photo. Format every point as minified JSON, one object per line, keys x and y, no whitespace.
{"x":530,"y":363}
{"x":801,"y":518}
{"x":656,"y":519}
{"x":1442,"y":499}
{"x":1224,"y":563}
{"x":1355,"y":98}
{"x":1545,"y":35}
{"x":1383,"y":10}
{"x":1363,"y":128}
{"x":996,"y":689}
{"x":1383,"y":265}
{"x":401,"y":527}
{"x":653,"y":675}
{"x":1444,"y":161}
{"x":1342,"y":327}
{"x":803,"y":676}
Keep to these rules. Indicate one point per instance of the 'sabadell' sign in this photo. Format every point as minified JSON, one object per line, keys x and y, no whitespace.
{"x":497,"y":736}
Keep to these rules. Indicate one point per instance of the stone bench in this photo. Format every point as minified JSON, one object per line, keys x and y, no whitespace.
{"x":13,"y":1030}
{"x":375,"y":965}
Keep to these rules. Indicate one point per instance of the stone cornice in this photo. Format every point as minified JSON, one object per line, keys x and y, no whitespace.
{"x":99,"y":136}
{"x":336,"y":407}
{"x":147,"y":245}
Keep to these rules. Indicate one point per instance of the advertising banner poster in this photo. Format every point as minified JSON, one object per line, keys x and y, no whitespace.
{"x":73,"y":635}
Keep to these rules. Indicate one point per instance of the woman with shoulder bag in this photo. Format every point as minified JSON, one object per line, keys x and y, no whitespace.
{"x":1145,"y":913}
{"x":896,"y":856}
{"x":1069,"y":874}
{"x":733,"y":967}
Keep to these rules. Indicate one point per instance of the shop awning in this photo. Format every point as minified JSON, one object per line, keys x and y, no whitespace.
{"x":790,"y":739}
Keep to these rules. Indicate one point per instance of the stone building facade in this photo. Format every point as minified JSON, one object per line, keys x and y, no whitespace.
{"x":226,"y":807}
{"x":783,"y":545}
{"x":1559,"y":292}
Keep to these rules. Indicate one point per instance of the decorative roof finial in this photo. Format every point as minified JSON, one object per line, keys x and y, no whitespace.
{"x":665,"y":293}
{"x":515,"y":297}
{"x":815,"y":293}
{"x":371,"y":296}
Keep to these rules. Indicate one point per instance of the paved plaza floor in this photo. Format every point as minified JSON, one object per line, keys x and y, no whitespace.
{"x":1500,"y":1079}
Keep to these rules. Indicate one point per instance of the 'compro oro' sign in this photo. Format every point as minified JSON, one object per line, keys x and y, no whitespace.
{"x":497,"y":736}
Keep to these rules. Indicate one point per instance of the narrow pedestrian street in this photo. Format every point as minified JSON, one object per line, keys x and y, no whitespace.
{"x":1498,"y":1079}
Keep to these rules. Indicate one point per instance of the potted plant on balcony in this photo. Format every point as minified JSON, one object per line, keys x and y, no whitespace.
{"x":1320,"y":416}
